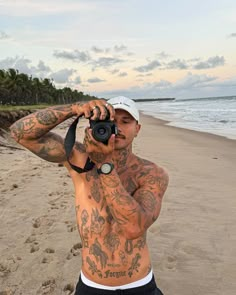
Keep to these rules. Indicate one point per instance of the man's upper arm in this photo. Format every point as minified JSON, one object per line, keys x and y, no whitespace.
{"x":49,"y":147}
{"x":150,"y":194}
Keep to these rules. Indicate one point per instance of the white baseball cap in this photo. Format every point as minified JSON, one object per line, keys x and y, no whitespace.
{"x":125,"y":103}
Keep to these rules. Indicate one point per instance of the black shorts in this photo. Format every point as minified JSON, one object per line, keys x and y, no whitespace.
{"x":148,"y":289}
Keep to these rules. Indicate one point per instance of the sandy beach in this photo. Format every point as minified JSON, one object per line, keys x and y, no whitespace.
{"x":192,"y":244}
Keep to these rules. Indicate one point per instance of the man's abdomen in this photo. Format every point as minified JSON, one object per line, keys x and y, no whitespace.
{"x":113,"y":260}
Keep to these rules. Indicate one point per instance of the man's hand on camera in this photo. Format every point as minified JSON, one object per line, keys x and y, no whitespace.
{"x":94,"y":110}
{"x":98,"y":152}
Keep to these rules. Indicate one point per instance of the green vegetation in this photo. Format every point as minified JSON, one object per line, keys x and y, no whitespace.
{"x":19,"y":89}
{"x":24,"y":107}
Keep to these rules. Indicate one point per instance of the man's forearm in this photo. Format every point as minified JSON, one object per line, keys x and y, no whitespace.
{"x":39,"y":123}
{"x":125,"y":210}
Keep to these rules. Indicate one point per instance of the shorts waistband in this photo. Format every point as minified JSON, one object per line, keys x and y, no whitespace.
{"x":136,"y":284}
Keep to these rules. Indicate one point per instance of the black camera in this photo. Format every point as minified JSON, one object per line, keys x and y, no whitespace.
{"x":103,"y":129}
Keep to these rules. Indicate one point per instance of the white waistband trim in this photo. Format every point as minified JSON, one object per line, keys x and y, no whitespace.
{"x":135,"y":284}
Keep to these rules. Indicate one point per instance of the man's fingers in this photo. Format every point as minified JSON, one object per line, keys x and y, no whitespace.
{"x":98,"y":109}
{"x":111,"y":110}
{"x":111,"y":142}
{"x":95,"y":113}
{"x":87,"y":111}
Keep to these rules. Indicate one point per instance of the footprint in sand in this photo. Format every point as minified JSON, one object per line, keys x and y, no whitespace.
{"x":54,"y":206}
{"x":9,"y":291}
{"x":56,"y":203}
{"x":69,"y":289}
{"x":37,"y":223}
{"x":171,"y":262}
{"x":42,"y":221}
{"x":75,"y":250}
{"x":49,"y":250}
{"x":8,"y":265}
{"x":70,"y":226}
{"x":47,"y":287}
{"x":30,"y":239}
{"x":47,"y":259}
{"x":14,"y":186}
{"x":34,"y":248}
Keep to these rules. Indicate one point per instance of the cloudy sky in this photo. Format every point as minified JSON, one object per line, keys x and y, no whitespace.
{"x":137,"y":48}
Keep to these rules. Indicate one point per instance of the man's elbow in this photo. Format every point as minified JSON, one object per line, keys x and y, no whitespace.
{"x":133,"y":232}
{"x":14,"y":132}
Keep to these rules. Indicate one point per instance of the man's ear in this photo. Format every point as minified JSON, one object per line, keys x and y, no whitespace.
{"x":138,"y":127}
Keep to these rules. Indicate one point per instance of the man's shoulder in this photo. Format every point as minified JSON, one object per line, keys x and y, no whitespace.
{"x":146,"y":167}
{"x":145,"y":164}
{"x":150,"y":174}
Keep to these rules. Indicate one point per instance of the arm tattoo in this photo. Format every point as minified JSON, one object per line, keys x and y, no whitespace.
{"x":46,"y":117}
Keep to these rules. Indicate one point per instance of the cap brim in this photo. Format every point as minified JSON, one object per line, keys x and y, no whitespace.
{"x":127,"y":109}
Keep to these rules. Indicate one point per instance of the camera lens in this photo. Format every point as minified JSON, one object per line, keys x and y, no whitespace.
{"x":101,"y":132}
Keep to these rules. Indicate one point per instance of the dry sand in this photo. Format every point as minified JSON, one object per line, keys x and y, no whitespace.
{"x":192,"y":244}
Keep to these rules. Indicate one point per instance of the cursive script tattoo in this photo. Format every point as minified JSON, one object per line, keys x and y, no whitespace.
{"x":114,"y":274}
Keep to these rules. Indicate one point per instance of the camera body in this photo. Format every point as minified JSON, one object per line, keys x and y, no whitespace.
{"x":103,"y":129}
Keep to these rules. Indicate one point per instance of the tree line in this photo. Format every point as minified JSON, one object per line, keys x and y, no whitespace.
{"x":21,"y":89}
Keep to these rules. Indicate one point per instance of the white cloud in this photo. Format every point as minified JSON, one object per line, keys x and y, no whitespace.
{"x":123,"y":74}
{"x":95,"y":80}
{"x":115,"y":49}
{"x":62,"y":76}
{"x":106,"y":62}
{"x":211,"y":62}
{"x":162,"y":55}
{"x":120,"y":48}
{"x":24,"y":65}
{"x":192,"y":81}
{"x":115,"y":71}
{"x":97,"y":49}
{"x":42,"y":67}
{"x":185,"y":87}
{"x":77,"y":80}
{"x":233,"y":35}
{"x":148,"y":67}
{"x":75,"y":55}
{"x":177,"y":64}
{"x":182,"y":64}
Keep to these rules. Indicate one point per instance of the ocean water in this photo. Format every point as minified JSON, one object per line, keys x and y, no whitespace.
{"x":216,"y":115}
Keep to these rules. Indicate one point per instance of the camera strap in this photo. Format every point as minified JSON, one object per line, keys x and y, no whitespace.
{"x":69,"y":144}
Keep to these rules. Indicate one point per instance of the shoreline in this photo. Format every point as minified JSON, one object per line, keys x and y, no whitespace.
{"x":165,"y":122}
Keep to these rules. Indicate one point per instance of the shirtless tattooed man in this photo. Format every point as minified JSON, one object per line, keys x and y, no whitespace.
{"x":116,"y":201}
